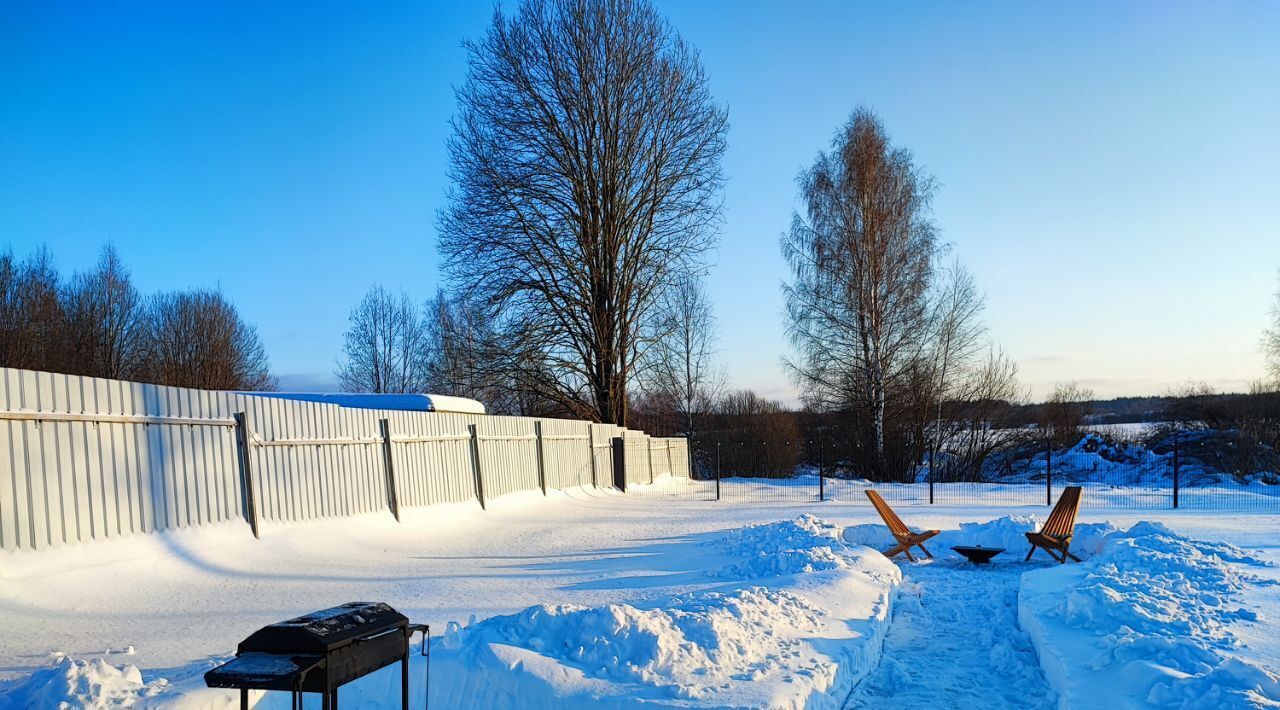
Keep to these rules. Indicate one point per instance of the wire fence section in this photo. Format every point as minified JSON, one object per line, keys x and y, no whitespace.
{"x":789,"y":472}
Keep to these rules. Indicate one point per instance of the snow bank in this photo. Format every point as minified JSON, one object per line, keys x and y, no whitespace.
{"x":1148,"y":621}
{"x":808,"y":626}
{"x":81,"y":684}
{"x":806,"y":544}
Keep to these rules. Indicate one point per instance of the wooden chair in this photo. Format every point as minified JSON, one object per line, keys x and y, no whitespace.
{"x":905,"y":537}
{"x":1056,"y":532}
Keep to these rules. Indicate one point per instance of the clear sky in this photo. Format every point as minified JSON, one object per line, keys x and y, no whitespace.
{"x":1109,"y":171}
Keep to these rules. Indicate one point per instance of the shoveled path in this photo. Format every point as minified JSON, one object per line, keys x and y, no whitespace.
{"x":955,"y":642}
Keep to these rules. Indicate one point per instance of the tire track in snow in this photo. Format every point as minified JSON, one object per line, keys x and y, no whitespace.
{"x":955,"y":643}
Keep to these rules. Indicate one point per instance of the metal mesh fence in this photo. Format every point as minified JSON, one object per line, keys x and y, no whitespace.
{"x":798,"y":472}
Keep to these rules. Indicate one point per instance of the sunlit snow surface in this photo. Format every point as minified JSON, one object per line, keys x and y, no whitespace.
{"x":589,"y":598}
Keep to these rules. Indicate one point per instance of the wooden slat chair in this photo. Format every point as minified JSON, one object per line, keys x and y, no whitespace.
{"x":1057,"y":531}
{"x":903,"y":534}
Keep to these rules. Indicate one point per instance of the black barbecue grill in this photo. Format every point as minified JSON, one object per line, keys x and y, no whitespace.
{"x":320,"y":651}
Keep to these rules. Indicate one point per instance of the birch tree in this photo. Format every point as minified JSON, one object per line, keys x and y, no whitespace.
{"x":861,"y":257}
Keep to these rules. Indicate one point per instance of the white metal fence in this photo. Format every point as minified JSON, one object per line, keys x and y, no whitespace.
{"x":89,"y":459}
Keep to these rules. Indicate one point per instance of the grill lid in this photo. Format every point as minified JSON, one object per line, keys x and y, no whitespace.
{"x":325,"y":630}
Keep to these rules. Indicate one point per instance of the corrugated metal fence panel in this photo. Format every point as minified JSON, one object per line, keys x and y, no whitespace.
{"x":65,"y":481}
{"x":602,"y":436}
{"x":314,"y":460}
{"x":678,"y":456}
{"x":566,"y":450}
{"x":432,"y":457}
{"x":638,"y":465}
{"x":91,"y":477}
{"x":658,"y":461}
{"x":508,"y":455}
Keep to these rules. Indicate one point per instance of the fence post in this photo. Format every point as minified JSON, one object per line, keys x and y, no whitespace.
{"x":688,"y":450}
{"x":822,"y":477}
{"x":591,"y":448}
{"x":1175,"y":470}
{"x":475,"y":463}
{"x":717,"y":469}
{"x":542,"y":462}
{"x":648,"y":448}
{"x":1048,"y":471}
{"x":248,"y":496}
{"x":393,"y":495}
{"x":620,"y":464}
{"x":932,"y":448}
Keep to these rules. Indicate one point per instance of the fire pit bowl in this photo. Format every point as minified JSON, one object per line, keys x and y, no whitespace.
{"x":978,"y":554}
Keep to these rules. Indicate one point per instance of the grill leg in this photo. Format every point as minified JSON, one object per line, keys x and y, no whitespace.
{"x":404,"y":678}
{"x":244,"y":699}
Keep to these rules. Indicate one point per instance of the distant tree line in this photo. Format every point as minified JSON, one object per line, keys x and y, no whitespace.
{"x":96,"y":323}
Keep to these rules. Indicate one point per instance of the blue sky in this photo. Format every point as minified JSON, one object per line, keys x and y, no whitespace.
{"x":1109,"y":171}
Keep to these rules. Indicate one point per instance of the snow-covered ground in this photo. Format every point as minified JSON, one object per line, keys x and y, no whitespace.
{"x":1156,"y":619}
{"x":586,"y":594}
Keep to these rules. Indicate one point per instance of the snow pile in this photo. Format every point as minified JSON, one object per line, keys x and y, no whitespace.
{"x":806,"y":544}
{"x":1007,"y":532}
{"x":710,"y":635}
{"x":805,"y":629}
{"x":81,"y":684}
{"x":1148,"y":621}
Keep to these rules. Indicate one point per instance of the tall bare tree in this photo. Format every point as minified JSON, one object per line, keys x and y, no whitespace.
{"x":386,"y":345}
{"x":681,"y":362}
{"x":197,"y":339}
{"x":862,"y":261}
{"x":585,"y":157}
{"x":104,"y":320}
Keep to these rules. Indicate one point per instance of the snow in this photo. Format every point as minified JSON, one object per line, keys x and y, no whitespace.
{"x":410,"y":402}
{"x":804,"y":640}
{"x":82,"y":684}
{"x":955,"y":643}
{"x":674,"y":602}
{"x":1149,"y":621}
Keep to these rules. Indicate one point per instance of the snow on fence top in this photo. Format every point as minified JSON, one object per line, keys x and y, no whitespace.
{"x":85,"y":458}
{"x":407,"y":402}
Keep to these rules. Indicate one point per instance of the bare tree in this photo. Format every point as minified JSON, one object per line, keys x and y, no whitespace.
{"x":197,"y":339}
{"x":1271,"y":343}
{"x":385,"y":347}
{"x":976,"y":420}
{"x":1064,"y":412}
{"x":862,"y":261}
{"x":586,"y":165}
{"x":681,"y":362}
{"x":960,"y":335}
{"x":753,"y":436}
{"x":104,"y":320}
{"x":32,"y":320}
